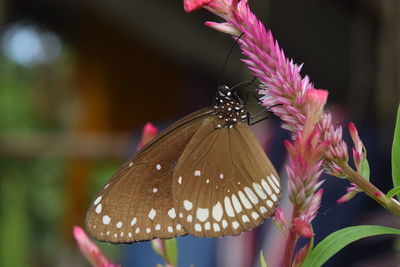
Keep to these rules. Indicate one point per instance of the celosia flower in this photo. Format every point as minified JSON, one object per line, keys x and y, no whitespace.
{"x":302,"y":228}
{"x":90,"y":250}
{"x":148,"y":133}
{"x":351,"y":192}
{"x":358,"y":154}
{"x":284,"y":91}
{"x":279,"y":220}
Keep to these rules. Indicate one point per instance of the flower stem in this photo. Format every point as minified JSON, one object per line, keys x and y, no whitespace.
{"x":370,"y":189}
{"x":291,"y":240}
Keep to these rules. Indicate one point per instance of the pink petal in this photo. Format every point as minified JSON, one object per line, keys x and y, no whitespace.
{"x":191,"y":5}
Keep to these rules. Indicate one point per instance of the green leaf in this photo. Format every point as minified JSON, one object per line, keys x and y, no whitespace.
{"x":172,"y":251}
{"x":341,"y":238}
{"x":393,"y":191}
{"x":396,"y":153}
{"x":365,"y":166}
{"x":262,"y":260}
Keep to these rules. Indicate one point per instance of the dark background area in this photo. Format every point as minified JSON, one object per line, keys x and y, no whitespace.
{"x":78,"y":80}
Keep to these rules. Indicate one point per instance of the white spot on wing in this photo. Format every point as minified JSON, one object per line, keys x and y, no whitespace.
{"x":187,"y":204}
{"x":263,"y":209}
{"x":158,"y":227}
{"x":170,"y":229}
{"x":216,"y":227}
{"x":155,"y":190}
{"x":98,"y":208}
{"x":259,"y":191}
{"x":158,"y":167}
{"x":266,"y":187}
{"x":202,"y":214}
{"x":228,"y":207}
{"x":189,"y":218}
{"x":275,"y":180}
{"x":217,"y":211}
{"x":207,"y":226}
{"x":274,"y":198}
{"x":130,"y":234}
{"x":235,"y":225}
{"x":252,"y":196}
{"x":118,"y":224}
{"x":244,"y":200}
{"x":97,"y":201}
{"x":106,"y":219}
{"x":207,"y":181}
{"x":255,"y":215}
{"x":221,"y":176}
{"x":245,"y":218}
{"x":172,"y":213}
{"x":152,"y":214}
{"x":236,"y":204}
{"x":270,"y":203}
{"x":197,"y":173}
{"x":148,"y":230}
{"x":224,"y":223}
{"x":178,"y":227}
{"x":271,"y":182}
{"x":137,"y":230}
{"x":130,"y":164}
{"x":197,"y":227}
{"x":180,"y":180}
{"x":133,"y":222}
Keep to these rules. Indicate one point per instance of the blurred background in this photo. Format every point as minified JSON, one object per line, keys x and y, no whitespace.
{"x":78,"y":80}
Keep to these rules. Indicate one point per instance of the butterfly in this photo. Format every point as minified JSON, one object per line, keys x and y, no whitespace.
{"x":206,"y":175}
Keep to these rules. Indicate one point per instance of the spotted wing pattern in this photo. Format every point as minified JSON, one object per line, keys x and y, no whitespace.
{"x":136,"y":204}
{"x":224,"y":183}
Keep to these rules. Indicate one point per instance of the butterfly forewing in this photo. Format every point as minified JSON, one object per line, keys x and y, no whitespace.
{"x":137,"y":204}
{"x":224,"y":184}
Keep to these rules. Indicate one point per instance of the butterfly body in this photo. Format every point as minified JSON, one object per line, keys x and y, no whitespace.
{"x":206,"y":175}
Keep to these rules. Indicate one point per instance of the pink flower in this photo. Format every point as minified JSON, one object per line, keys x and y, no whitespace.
{"x":302,"y":228}
{"x":358,"y":153}
{"x":148,"y":133}
{"x":279,"y":220}
{"x":191,"y":5}
{"x":351,"y":192}
{"x":89,"y":249}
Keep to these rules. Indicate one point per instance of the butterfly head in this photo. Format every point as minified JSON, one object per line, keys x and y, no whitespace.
{"x":229,"y":108}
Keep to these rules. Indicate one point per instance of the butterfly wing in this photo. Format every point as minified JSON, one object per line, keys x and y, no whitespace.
{"x":136,"y":204}
{"x":224,"y":183}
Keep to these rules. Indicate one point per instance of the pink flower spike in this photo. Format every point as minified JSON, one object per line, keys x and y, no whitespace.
{"x":316,"y":100}
{"x":302,"y":228}
{"x":90,"y":250}
{"x":148,"y":133}
{"x":358,"y":153}
{"x":191,"y":5}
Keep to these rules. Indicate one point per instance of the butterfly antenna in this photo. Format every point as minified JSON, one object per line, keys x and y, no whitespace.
{"x":227,"y":58}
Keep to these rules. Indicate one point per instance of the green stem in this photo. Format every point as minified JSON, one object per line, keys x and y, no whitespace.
{"x":369,"y":189}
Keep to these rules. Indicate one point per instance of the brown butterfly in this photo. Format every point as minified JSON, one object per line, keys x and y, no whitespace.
{"x":206,"y":175}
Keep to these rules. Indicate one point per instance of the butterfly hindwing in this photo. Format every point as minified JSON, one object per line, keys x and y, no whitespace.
{"x":223,"y":183}
{"x":136,"y":204}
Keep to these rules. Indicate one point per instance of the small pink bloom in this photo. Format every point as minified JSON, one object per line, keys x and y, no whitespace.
{"x":90,"y":250}
{"x":223,"y":27}
{"x":159,"y":246}
{"x":311,"y":211}
{"x":358,"y":153}
{"x":148,"y":133}
{"x":191,"y":5}
{"x":279,"y":220}
{"x":315,"y":101}
{"x":351,"y":192}
{"x":302,"y":228}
